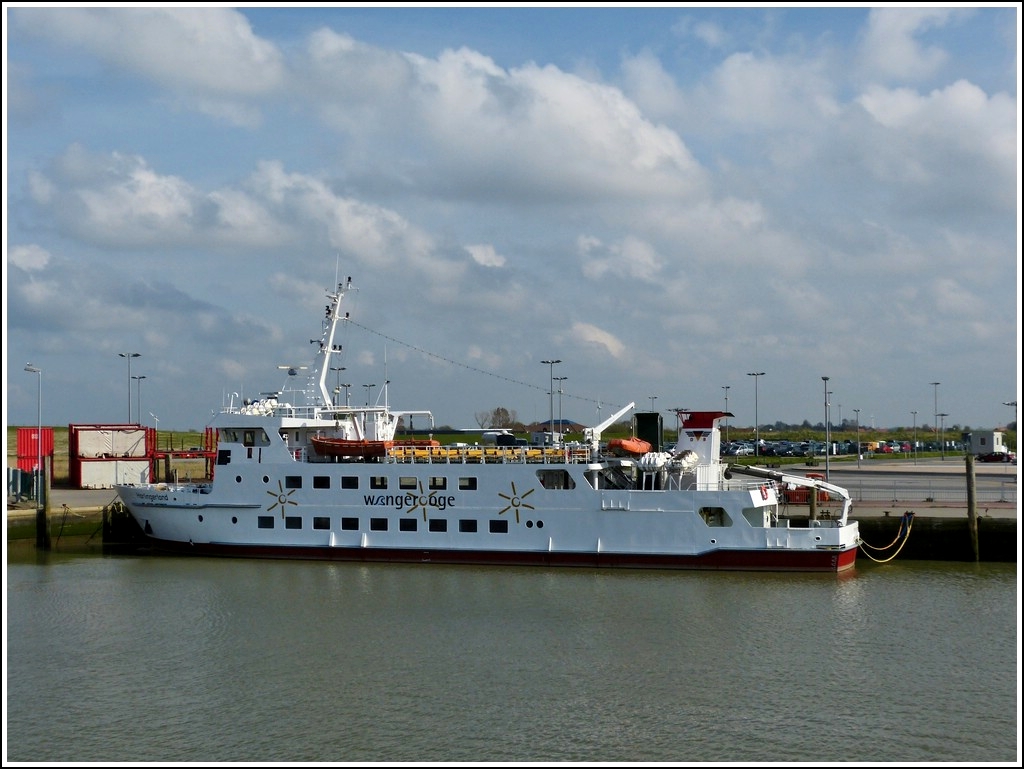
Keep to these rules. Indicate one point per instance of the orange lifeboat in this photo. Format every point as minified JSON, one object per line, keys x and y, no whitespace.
{"x":628,"y":447}
{"x":344,"y":447}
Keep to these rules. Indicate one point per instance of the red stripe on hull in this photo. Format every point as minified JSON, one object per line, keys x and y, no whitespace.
{"x":722,"y":560}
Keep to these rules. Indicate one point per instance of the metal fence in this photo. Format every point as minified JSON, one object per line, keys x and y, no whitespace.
{"x":929,"y":490}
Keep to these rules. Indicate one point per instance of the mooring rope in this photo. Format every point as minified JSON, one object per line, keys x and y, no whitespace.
{"x":903,"y":534}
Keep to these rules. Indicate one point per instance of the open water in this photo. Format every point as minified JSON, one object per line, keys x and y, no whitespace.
{"x":163,"y":659}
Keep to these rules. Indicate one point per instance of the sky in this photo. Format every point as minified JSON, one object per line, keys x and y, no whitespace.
{"x":666,"y":200}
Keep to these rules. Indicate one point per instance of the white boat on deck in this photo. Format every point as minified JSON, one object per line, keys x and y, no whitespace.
{"x":288,"y":483}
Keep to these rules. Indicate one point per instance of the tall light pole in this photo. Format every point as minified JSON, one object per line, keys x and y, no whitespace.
{"x":1014,"y":404}
{"x":857,"y":412}
{"x":935,"y":424}
{"x":551,"y":391}
{"x":726,"y":388}
{"x":757,"y":433}
{"x":339,"y":369}
{"x":368,"y":388}
{"x":560,"y":379}
{"x":129,"y":356}
{"x":942,"y":440}
{"x":346,"y":385}
{"x":914,"y":414}
{"x":653,"y":398}
{"x":39,"y":431}
{"x":138,"y":400}
{"x":824,"y":379}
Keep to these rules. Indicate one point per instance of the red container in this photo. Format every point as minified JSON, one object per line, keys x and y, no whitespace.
{"x":29,"y":449}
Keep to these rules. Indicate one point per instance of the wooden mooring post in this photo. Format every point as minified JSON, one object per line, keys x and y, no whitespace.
{"x":42,"y":509}
{"x":972,"y":507}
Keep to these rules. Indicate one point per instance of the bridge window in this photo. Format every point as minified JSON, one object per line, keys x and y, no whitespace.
{"x":555,"y":479}
{"x":715,"y":517}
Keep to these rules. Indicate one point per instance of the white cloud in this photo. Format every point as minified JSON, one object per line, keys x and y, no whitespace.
{"x":209,"y":54}
{"x":587,"y":334}
{"x":890,"y":49}
{"x":632,"y":257}
{"x":31,"y":258}
{"x":753,"y":93}
{"x":486,"y":256}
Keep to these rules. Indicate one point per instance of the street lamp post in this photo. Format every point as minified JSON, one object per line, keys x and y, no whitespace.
{"x":935,"y":413}
{"x":560,"y":379}
{"x":39,"y":431}
{"x":726,"y":388}
{"x":339,"y":369}
{"x":827,"y":448}
{"x":138,"y":399}
{"x":914,"y":414}
{"x":129,"y":356}
{"x":857,"y":412}
{"x":551,"y":390}
{"x":653,"y":398}
{"x":757,"y":433}
{"x":1014,"y":404}
{"x":942,"y":440}
{"x":346,"y":385}
{"x":368,"y":388}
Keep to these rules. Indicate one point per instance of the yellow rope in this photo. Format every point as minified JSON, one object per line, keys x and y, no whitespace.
{"x":899,"y":532}
{"x":908,"y":518}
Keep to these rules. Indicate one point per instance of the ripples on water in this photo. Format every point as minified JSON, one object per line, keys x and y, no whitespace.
{"x":174,"y":659}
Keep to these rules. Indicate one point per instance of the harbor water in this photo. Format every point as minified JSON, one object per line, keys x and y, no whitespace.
{"x":163,"y":659}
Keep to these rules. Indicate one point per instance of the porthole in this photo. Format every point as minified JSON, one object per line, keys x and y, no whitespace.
{"x":714,"y":542}
{"x":266,"y":479}
{"x":529,"y":524}
{"x":540,"y":524}
{"x":234,"y":519}
{"x":200,"y":519}
{"x":238,"y":479}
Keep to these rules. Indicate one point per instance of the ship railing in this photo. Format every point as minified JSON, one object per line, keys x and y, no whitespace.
{"x":737,"y":484}
{"x":490,"y":454}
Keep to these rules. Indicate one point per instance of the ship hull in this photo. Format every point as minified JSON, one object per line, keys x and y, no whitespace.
{"x":824,"y":561}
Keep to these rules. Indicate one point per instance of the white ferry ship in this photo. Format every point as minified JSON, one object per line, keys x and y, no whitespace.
{"x":322,"y":481}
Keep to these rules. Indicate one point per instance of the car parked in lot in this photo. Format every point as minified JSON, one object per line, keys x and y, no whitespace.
{"x":997,"y":456}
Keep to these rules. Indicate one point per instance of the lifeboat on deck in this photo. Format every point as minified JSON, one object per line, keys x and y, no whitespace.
{"x":628,"y":447}
{"x":364,"y":449}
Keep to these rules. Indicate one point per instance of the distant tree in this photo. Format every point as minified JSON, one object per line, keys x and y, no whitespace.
{"x":499,"y":417}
